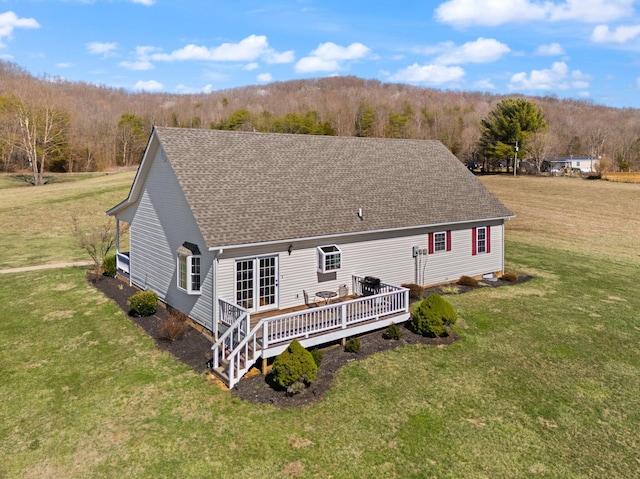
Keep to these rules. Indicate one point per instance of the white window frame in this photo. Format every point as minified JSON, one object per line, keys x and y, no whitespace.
{"x":329,"y":258}
{"x":439,"y":246}
{"x":189,"y":277}
{"x":482,"y":241}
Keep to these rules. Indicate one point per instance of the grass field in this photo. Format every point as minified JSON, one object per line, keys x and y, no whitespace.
{"x":36,"y":223}
{"x":545,"y":382}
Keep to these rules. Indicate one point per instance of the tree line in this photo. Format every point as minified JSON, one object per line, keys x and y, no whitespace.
{"x":49,"y":124}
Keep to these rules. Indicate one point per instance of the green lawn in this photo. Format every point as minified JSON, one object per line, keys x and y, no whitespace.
{"x":36,"y":222}
{"x":545,"y":382}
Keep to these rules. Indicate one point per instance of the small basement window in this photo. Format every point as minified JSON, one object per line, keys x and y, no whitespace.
{"x":189,"y":268}
{"x":329,"y":259}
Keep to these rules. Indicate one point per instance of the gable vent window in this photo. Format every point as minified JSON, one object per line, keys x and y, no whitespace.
{"x":189,"y":268}
{"x":329,"y":259}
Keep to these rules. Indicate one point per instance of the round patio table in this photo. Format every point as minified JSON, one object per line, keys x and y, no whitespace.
{"x":326,"y":295}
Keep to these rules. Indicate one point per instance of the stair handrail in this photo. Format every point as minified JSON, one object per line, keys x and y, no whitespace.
{"x":235,"y":327}
{"x":235,"y":378}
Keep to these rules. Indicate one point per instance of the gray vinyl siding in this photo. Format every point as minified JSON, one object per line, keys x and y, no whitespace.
{"x":162,"y":222}
{"x":384,"y":255}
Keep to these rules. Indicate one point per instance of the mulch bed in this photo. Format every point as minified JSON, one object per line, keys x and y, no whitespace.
{"x":194,"y":349}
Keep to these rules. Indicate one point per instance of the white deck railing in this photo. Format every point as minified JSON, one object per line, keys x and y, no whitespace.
{"x":240,"y":348}
{"x":122,"y":261}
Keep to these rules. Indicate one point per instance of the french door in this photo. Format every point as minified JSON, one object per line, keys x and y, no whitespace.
{"x":257,"y":283}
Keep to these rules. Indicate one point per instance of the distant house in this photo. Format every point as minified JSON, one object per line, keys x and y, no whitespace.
{"x":236,"y":228}
{"x":583,"y":164}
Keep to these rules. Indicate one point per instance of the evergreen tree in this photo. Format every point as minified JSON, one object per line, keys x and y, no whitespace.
{"x":510,"y":123}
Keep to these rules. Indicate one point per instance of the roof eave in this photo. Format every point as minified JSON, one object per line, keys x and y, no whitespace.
{"x":137,"y":182}
{"x":357,"y":233}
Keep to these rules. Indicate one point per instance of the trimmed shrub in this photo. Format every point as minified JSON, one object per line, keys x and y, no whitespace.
{"x":175,"y":326}
{"x":434,"y":317}
{"x":143,"y":303}
{"x":392,"y":332}
{"x":352,"y":346}
{"x":109,"y":266}
{"x":317,"y":356}
{"x":468,"y":281}
{"x":511,"y":277}
{"x":415,"y":290}
{"x":294,"y":364}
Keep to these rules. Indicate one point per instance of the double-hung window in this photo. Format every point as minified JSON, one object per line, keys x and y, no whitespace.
{"x":439,"y":241}
{"x":481,"y":237}
{"x":329,"y":259}
{"x":189,"y":268}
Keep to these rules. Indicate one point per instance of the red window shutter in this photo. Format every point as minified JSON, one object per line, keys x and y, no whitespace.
{"x":448,"y":240}
{"x":488,"y":239}
{"x":431,"y":243}
{"x":474,"y":239}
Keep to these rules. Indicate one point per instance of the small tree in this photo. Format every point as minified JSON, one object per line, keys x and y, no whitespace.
{"x":97,"y":240}
{"x":434,"y":317}
{"x":294,"y":364}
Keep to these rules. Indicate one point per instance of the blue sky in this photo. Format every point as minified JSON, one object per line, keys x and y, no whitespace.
{"x":582,"y":49}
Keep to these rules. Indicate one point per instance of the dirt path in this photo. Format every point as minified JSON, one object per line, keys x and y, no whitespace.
{"x":45,"y":266}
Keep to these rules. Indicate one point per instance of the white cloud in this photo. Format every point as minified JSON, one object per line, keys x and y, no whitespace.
{"x":485,"y":84}
{"x":10,"y":21}
{"x":249,"y":49}
{"x":185,"y":89}
{"x":264,"y":77}
{"x":483,"y":50}
{"x":496,"y":12}
{"x":329,"y":57}
{"x":150,"y":85}
{"x":64,"y":65}
{"x":429,"y":74}
{"x":622,"y":34}
{"x":579,"y":79}
{"x":488,"y":12}
{"x":251,"y":66}
{"x":558,"y":77}
{"x":142,"y":62}
{"x":139,"y":65}
{"x":147,"y":3}
{"x":591,"y":11}
{"x":550,"y":50}
{"x":283,"y":57}
{"x":102,"y":48}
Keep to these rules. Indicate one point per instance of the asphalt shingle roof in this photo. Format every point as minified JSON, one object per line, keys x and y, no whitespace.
{"x":247,"y":188}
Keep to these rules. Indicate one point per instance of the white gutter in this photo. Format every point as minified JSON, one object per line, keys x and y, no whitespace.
{"x":356,"y":233}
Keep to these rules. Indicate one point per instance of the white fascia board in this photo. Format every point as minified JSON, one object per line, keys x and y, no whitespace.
{"x":358,"y":233}
{"x":136,"y":187}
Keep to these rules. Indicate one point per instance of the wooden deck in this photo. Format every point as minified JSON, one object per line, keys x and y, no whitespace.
{"x":248,"y":336}
{"x":256,"y":317}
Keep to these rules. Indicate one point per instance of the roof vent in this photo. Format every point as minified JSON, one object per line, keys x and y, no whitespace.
{"x":360,"y":213}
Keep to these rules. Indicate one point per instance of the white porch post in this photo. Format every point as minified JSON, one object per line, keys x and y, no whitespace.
{"x":117,"y":235}
{"x":215,"y":307}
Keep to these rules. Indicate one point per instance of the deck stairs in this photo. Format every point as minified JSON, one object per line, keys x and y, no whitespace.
{"x":243,"y":343}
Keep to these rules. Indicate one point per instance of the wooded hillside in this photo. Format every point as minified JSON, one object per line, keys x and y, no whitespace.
{"x":71,"y":126}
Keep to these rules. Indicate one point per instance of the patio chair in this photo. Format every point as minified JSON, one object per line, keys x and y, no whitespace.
{"x":310,"y":304}
{"x":343,"y":291}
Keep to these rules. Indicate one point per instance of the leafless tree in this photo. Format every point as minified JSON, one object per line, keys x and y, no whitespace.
{"x":97,"y":239}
